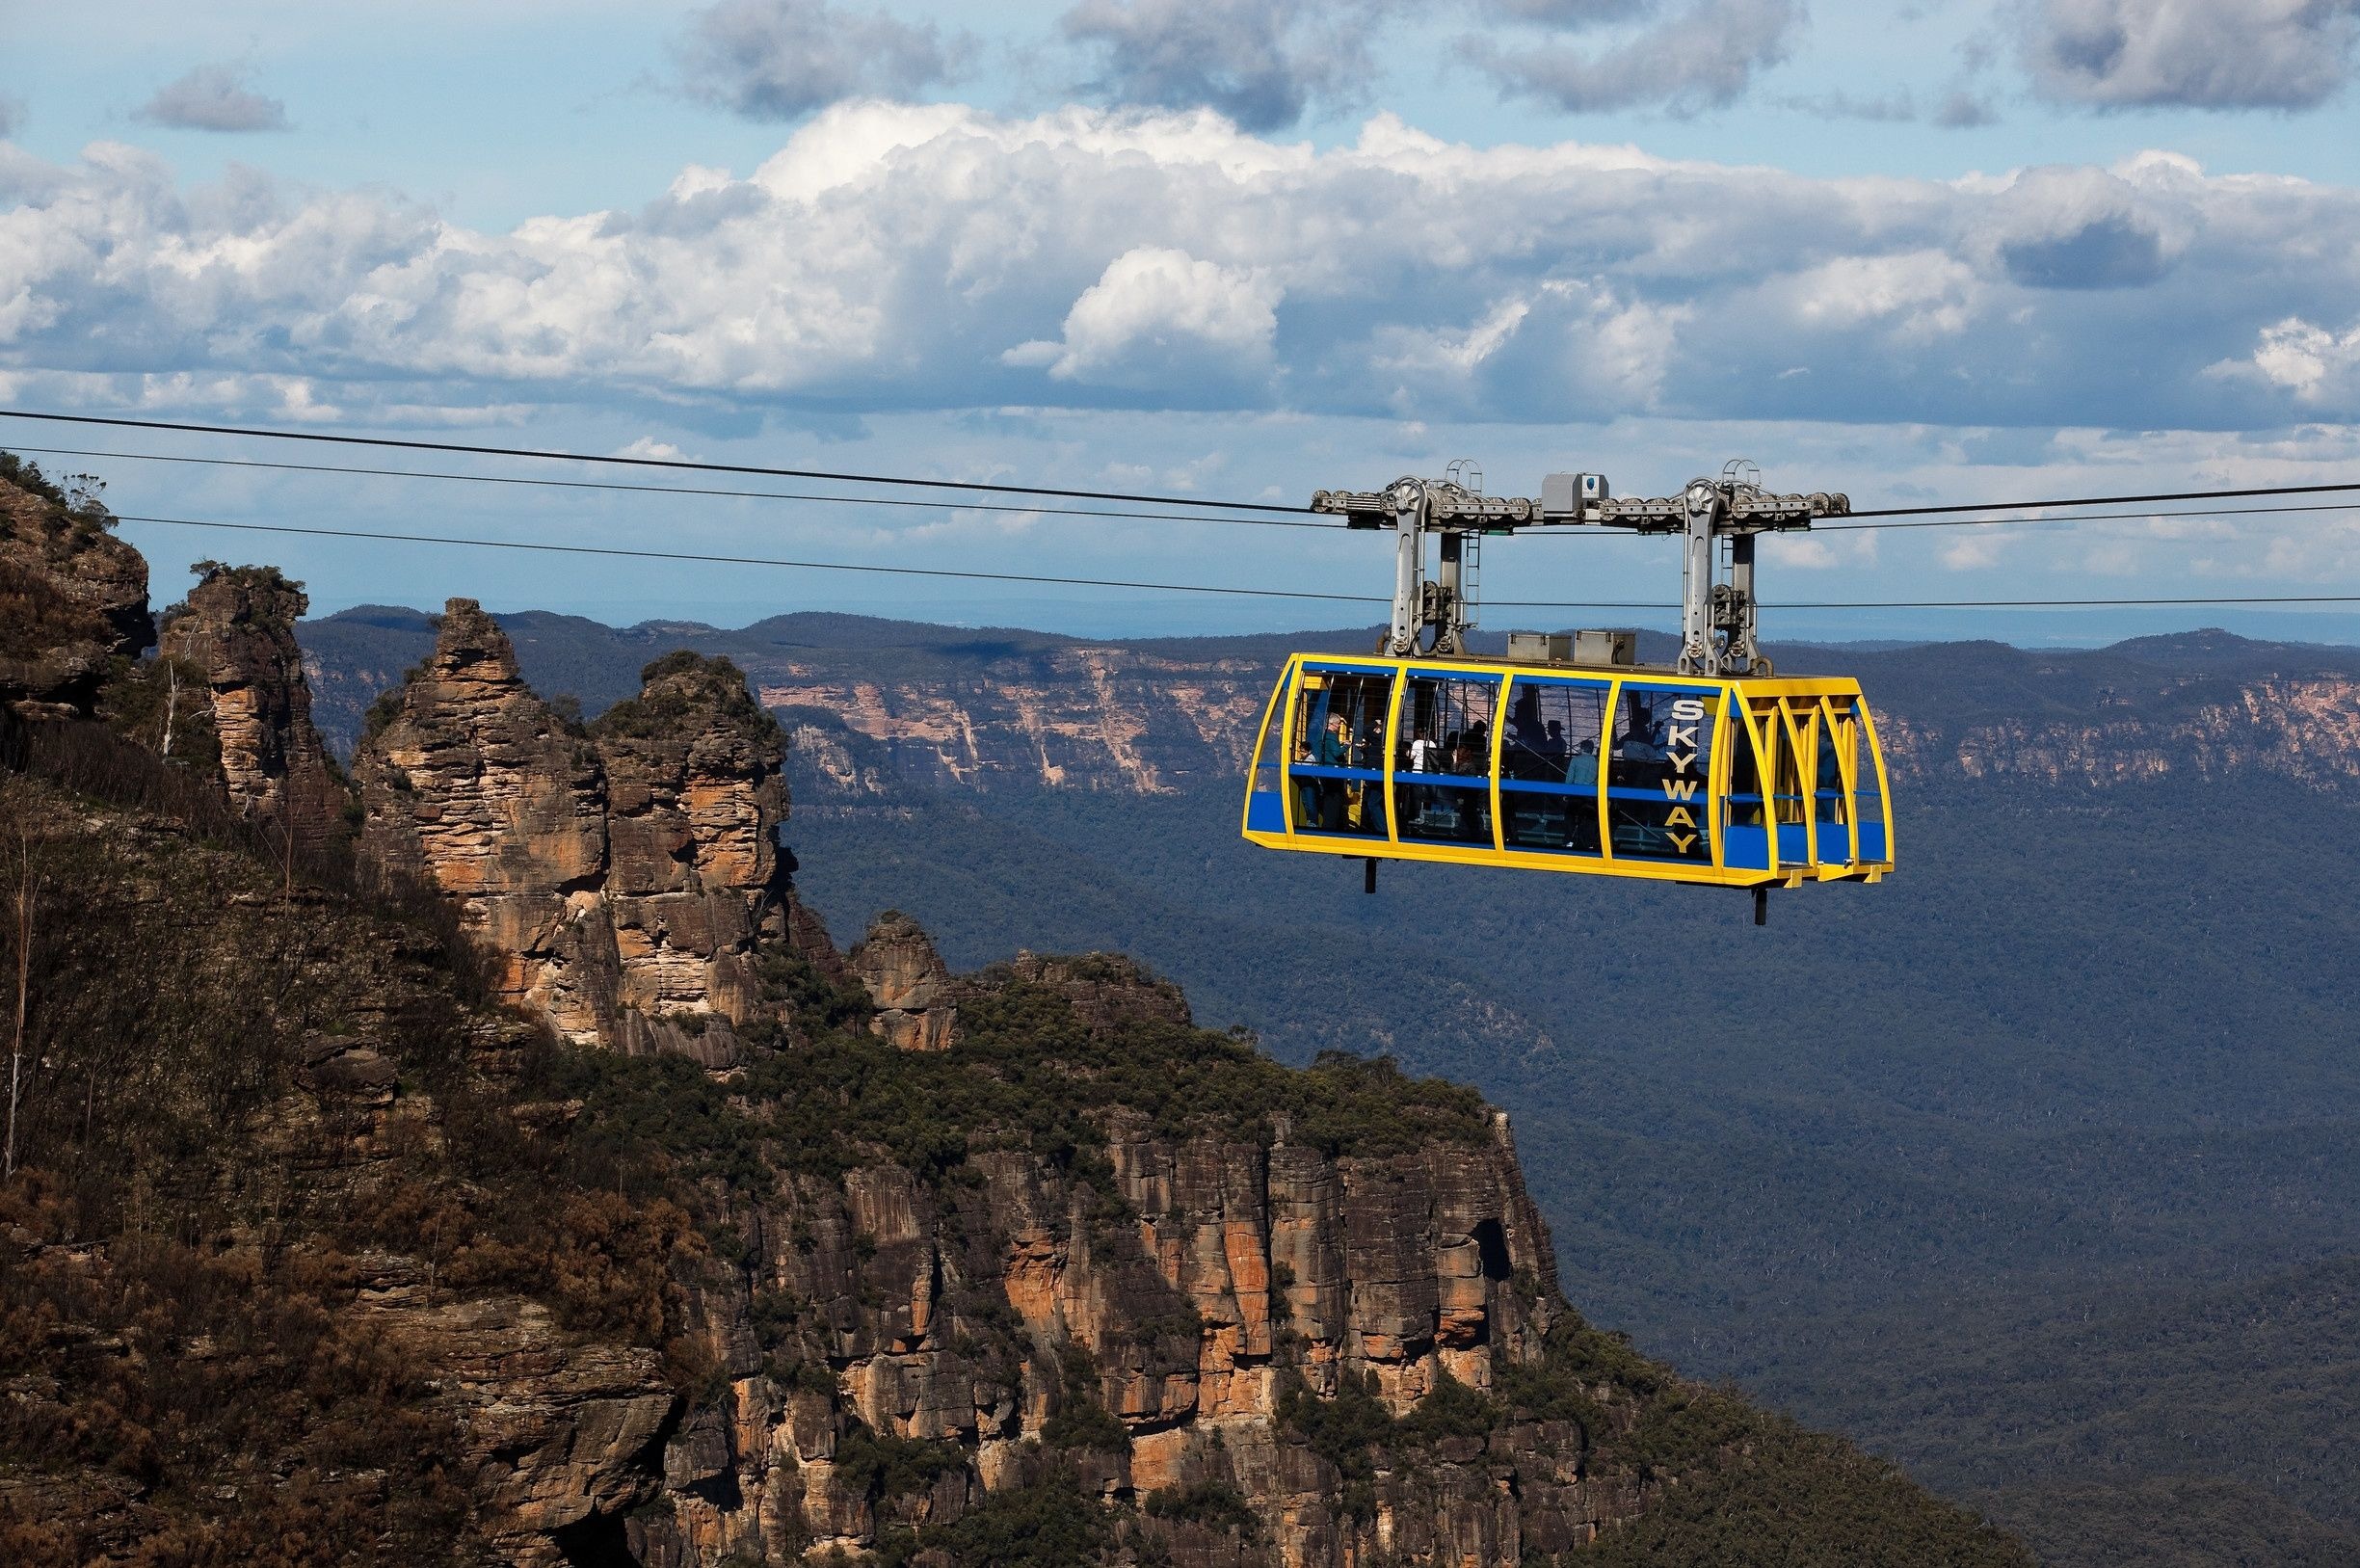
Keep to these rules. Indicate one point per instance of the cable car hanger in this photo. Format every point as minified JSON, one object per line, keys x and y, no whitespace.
{"x":1718,"y":613}
{"x":1567,"y":755}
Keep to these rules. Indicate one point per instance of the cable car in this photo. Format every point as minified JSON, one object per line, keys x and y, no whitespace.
{"x":1568,"y":755}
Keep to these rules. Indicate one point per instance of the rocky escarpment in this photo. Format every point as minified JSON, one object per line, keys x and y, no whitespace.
{"x":238,"y":629}
{"x":325,"y":1246}
{"x":876,"y":708}
{"x":73,"y":599}
{"x":621,"y":873}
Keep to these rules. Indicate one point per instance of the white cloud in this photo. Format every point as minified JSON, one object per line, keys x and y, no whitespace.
{"x":214,"y":98}
{"x":11,"y":115}
{"x":1916,"y":294}
{"x":909,"y":258}
{"x":782,"y":58}
{"x":2205,"y":54}
{"x":1155,"y":314}
{"x":2320,"y":367}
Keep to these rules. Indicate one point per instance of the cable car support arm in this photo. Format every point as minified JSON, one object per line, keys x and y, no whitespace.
{"x":1718,"y":519}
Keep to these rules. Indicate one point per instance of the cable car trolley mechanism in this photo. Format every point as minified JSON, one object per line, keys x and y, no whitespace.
{"x":1568,"y":755}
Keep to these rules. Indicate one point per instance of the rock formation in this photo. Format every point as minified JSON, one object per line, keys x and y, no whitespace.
{"x":73,"y":599}
{"x":1061,"y":1267}
{"x":622,"y":873}
{"x":694,"y":802}
{"x":474,"y":782}
{"x":239,"y":628}
{"x":1248,"y":1270}
{"x":906,"y":979}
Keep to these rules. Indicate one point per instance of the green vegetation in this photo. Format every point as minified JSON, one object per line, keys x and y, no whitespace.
{"x":1027,"y":1073}
{"x":1081,"y":1419}
{"x":1049,"y":1520}
{"x":26,"y":474}
{"x":882,"y":1467}
{"x":1215,"y":1506}
{"x":683,"y":683}
{"x":1800,"y":1501}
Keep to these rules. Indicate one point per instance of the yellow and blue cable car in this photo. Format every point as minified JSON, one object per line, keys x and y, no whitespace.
{"x":1569,"y":755}
{"x":1748,"y":782}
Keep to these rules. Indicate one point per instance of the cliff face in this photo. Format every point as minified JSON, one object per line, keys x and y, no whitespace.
{"x":326,"y":1248}
{"x":2207,"y":705}
{"x":1153,"y":1347}
{"x":622,"y":874}
{"x":1077,"y":718}
{"x":73,"y":599}
{"x":238,"y":628}
{"x":875,"y":708}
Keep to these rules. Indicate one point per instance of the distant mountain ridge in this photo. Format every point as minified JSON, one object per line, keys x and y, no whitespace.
{"x":878,"y":706}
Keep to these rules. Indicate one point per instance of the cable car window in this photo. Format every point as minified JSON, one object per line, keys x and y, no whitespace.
{"x":1265,"y":809}
{"x":1831,"y":806}
{"x":1786,"y":773}
{"x":1835,"y":761}
{"x":1337,"y":732}
{"x":1744,"y":777}
{"x":1745,"y":838}
{"x":1443,"y":761}
{"x":1549,"y":765}
{"x":1660,"y":781}
{"x":1869,"y":797}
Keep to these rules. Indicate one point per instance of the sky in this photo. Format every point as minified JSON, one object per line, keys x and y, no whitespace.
{"x":1238,"y":250}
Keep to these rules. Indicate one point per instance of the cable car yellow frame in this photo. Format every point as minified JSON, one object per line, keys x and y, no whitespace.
{"x":1774,"y":721}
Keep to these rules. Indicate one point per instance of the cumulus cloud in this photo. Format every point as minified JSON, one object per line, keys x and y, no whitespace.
{"x":213,"y":98}
{"x":1159,"y":316}
{"x":782,"y":58}
{"x":1702,"y":56}
{"x":1259,"y":62}
{"x":2320,"y":367}
{"x":2205,"y":54}
{"x":912,"y":257}
{"x":2072,"y":227}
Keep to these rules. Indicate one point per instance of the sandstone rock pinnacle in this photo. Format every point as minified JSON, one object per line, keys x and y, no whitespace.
{"x":622,"y":873}
{"x":239,"y":628}
{"x":908,"y":981}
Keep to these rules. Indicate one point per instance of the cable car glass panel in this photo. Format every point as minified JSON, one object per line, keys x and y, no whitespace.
{"x":1831,"y":794}
{"x":1337,"y":730}
{"x":1867,"y":794}
{"x":1549,"y":765}
{"x":1790,"y":804}
{"x":1660,"y":781}
{"x":1745,"y":836}
{"x":1265,"y":800}
{"x":1443,"y":765}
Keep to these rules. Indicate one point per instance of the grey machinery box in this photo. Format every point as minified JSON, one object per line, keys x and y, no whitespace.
{"x":1606,"y":648}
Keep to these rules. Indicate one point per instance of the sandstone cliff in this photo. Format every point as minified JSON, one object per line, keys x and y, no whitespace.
{"x":366,"y":1267}
{"x":238,"y":629}
{"x":328,"y":1246}
{"x":876,"y":709}
{"x":73,"y":599}
{"x":622,"y":874}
